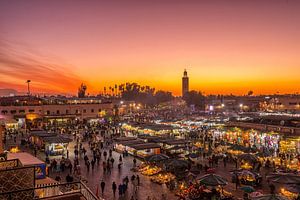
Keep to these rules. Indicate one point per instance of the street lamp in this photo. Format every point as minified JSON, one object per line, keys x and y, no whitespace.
{"x":28,"y":92}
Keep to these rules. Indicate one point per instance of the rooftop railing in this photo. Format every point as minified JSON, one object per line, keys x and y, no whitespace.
{"x":49,"y":191}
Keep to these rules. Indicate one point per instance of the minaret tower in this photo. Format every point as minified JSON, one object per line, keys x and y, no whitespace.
{"x":185,"y":83}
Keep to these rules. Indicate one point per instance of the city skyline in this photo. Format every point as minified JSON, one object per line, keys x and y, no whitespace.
{"x":230,"y":47}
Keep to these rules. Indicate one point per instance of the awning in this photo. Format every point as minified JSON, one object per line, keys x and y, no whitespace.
{"x":125,"y":138}
{"x":57,"y":139}
{"x":145,"y":146}
{"x":176,"y":142}
{"x":42,"y":133}
{"x":131,"y":142}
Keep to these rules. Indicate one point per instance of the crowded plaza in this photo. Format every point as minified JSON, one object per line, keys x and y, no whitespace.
{"x":184,"y":158}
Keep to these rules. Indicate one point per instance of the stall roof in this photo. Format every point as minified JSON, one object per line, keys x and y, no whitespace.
{"x":156,"y":127}
{"x":176,"y":142}
{"x":25,"y":158}
{"x":146,"y":136}
{"x":145,"y":146}
{"x":125,"y":138}
{"x":130,"y":142}
{"x":42,"y":134}
{"x":57,"y":139}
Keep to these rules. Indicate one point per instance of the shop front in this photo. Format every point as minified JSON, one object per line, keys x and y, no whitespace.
{"x":249,"y":138}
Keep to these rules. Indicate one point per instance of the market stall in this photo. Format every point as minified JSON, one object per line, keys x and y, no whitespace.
{"x":121,"y":146}
{"x":143,"y":150}
{"x":162,"y":178}
{"x":246,"y":177}
{"x":56,"y":145}
{"x":36,"y":137}
{"x":149,"y":170}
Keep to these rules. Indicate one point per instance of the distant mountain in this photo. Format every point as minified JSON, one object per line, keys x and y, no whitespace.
{"x":8,"y":92}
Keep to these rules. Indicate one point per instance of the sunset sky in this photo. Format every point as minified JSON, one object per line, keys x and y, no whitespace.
{"x":227,"y":46}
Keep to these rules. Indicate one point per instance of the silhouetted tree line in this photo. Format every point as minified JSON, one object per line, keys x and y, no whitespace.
{"x":143,"y":94}
{"x":195,"y":98}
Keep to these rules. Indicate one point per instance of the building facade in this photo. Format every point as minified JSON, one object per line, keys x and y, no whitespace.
{"x":46,"y":112}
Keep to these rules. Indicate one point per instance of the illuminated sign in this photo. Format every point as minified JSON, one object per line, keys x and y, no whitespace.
{"x":40,"y":171}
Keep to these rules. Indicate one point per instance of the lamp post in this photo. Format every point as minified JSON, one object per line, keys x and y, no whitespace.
{"x":28,"y":91}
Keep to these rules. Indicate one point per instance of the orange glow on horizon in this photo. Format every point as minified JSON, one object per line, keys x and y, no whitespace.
{"x":226,"y":46}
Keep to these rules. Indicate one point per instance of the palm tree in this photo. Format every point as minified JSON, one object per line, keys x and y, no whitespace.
{"x":116,"y":89}
{"x":110,"y":89}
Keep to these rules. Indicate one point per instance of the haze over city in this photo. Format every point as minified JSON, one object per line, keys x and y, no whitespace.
{"x":150,"y":99}
{"x":226,"y":46}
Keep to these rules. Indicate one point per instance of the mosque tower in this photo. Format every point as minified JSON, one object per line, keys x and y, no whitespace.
{"x":185,"y":83}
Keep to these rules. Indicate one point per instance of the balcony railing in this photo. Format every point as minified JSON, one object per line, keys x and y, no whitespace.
{"x":49,"y":191}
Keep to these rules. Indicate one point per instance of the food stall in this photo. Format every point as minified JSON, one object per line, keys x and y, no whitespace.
{"x":149,"y":170}
{"x":11,"y":124}
{"x":163,"y":177}
{"x":143,"y":150}
{"x":246,"y":177}
{"x":56,"y":145}
{"x":122,"y":146}
{"x":36,"y":137}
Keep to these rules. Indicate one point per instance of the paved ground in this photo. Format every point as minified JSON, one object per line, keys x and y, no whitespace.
{"x":147,"y":188}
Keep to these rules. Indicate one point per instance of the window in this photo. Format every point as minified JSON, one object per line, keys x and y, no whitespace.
{"x":21,"y":111}
{"x":13,"y":111}
{"x":84,"y":110}
{"x":77,"y":111}
{"x":99,"y":110}
{"x":4,"y":112}
{"x":92,"y":110}
{"x":67,"y":111}
{"x":293,"y":103}
{"x":31,"y":110}
{"x":48,"y":112}
{"x":57,"y":112}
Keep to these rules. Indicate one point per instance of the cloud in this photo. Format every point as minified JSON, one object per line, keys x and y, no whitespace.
{"x":19,"y":63}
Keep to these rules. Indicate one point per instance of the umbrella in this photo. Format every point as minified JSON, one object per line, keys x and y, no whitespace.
{"x":263,"y":154}
{"x":286,"y":178}
{"x":174,"y":163}
{"x":243,"y":172}
{"x":248,"y":157}
{"x":191,"y":175}
{"x":250,"y":150}
{"x":195,"y":170}
{"x":237,"y":147}
{"x":212,"y":180}
{"x":270,"y":197}
{"x":295,"y":188}
{"x":156,"y":158}
{"x":247,"y":189}
{"x":193,"y":155}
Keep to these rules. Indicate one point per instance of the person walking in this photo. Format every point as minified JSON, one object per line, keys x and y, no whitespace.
{"x":138,"y":179}
{"x":102,"y":184}
{"x":134,"y":162}
{"x":120,"y":188}
{"x":112,"y":160}
{"x":114,"y":188}
{"x":70,"y":167}
{"x":93,"y":164}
